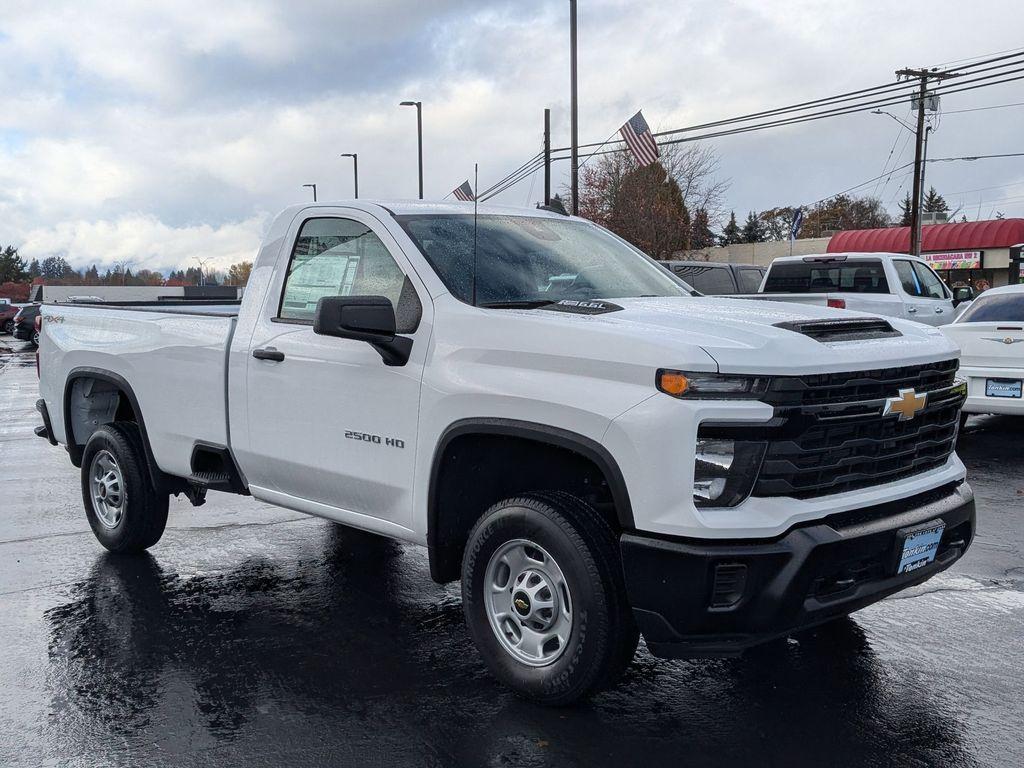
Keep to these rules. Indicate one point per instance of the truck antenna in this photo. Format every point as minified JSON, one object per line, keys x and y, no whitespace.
{"x":476,"y":187}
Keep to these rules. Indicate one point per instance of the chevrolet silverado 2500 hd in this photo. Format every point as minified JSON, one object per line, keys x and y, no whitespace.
{"x":592,"y":450}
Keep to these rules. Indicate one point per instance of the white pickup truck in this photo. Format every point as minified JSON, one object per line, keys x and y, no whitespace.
{"x":592,"y":450}
{"x":889,"y":284}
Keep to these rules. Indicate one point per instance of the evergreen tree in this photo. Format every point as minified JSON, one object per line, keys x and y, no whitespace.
{"x":92,"y":276}
{"x":934,"y":202}
{"x":906,"y":206}
{"x":753,"y":229}
{"x":701,"y":235}
{"x":12,"y":268}
{"x":730,"y":232}
{"x":34,"y":270}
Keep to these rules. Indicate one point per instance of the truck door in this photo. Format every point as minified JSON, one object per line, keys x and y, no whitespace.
{"x":331,"y":427}
{"x":925,"y":297}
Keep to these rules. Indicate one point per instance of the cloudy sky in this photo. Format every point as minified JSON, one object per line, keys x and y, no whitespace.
{"x":155,"y":132}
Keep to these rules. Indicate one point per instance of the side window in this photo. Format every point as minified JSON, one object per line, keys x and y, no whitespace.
{"x":931,"y":285}
{"x":340,"y":257}
{"x":908,"y":278}
{"x":749,"y":280}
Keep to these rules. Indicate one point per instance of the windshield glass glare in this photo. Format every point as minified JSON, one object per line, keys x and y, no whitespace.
{"x":533,"y":259}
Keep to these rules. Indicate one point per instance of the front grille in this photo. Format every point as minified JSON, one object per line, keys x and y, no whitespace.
{"x":835,"y":439}
{"x":877,"y":384}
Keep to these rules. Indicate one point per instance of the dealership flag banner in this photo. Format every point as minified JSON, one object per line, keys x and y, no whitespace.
{"x":463,"y":192}
{"x":637,"y":134}
{"x":798,"y":219}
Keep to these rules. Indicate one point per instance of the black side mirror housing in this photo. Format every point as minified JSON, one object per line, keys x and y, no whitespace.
{"x":363,"y":318}
{"x":962,"y":293}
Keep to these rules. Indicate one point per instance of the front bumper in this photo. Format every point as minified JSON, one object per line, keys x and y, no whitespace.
{"x":691,"y":598}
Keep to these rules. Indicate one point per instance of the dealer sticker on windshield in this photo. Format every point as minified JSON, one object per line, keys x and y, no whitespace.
{"x":920,"y":545}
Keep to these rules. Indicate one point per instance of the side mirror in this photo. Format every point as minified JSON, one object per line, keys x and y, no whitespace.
{"x":962,"y":293}
{"x":363,"y":318}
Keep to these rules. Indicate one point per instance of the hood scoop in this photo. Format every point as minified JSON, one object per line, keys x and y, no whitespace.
{"x":855,"y":329}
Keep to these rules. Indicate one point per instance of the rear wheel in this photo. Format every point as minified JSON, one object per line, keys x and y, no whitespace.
{"x":545,"y":600}
{"x":963,"y":420}
{"x":9,"y":327}
{"x":35,"y":338}
{"x":125,"y":511}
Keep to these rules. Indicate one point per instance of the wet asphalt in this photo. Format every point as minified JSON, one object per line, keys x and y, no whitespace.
{"x":255,"y":636}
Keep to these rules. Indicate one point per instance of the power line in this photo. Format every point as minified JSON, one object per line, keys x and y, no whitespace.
{"x":877,"y":96}
{"x":982,"y":109}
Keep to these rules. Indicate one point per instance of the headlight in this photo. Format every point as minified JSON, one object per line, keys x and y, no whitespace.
{"x":709,"y":385}
{"x":724,"y":471}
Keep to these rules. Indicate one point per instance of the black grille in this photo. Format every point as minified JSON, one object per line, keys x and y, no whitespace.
{"x":860,"y":385}
{"x":836,"y":438}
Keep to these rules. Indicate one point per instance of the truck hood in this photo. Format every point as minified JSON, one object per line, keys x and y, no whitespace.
{"x":742,"y":335}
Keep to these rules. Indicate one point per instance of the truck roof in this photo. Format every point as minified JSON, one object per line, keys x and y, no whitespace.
{"x":424,"y":207}
{"x":843,"y":256}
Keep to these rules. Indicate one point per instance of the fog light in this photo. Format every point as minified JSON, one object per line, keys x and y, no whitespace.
{"x":724,"y":470}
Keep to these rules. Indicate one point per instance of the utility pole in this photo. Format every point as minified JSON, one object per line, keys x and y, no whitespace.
{"x":574,"y":127}
{"x":547,"y":157}
{"x":924,"y":75}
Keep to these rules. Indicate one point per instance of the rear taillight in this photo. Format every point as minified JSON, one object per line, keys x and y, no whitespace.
{"x":837,"y":303}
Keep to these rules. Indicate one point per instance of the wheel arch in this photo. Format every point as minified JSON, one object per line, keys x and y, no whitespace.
{"x":445,"y":549}
{"x":129,"y":403}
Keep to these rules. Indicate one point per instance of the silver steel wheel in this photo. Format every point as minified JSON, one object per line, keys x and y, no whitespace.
{"x":106,"y":486}
{"x":529,"y":606}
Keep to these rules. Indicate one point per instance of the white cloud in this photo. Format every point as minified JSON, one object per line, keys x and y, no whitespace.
{"x":124,"y":124}
{"x":145,"y":242}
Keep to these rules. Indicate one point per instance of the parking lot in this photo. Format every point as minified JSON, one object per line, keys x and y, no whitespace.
{"x":256,"y":636}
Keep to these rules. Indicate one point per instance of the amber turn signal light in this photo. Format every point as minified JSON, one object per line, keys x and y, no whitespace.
{"x":672,"y":383}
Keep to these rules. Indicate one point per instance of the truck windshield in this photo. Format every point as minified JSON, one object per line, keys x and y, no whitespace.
{"x":523,"y":260}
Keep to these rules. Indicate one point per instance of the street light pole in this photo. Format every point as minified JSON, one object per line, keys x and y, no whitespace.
{"x":355,"y":171}
{"x":313,"y":186}
{"x":419,"y":135}
{"x":574,"y":113}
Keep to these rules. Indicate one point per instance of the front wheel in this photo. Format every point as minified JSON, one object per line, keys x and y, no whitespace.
{"x":545,"y":599}
{"x":9,"y":327}
{"x":125,"y":511}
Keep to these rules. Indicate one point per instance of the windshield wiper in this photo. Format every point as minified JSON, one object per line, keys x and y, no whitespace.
{"x":516,"y":304}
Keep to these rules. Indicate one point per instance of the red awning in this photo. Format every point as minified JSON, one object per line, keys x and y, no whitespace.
{"x":964,"y":236}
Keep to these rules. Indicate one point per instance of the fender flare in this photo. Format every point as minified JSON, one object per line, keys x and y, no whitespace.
{"x":74,"y":449}
{"x":542,"y":433}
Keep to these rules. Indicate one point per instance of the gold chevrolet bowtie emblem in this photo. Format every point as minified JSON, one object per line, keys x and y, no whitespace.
{"x":907,"y":404}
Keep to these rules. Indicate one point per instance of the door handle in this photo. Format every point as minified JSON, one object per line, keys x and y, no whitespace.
{"x":938,"y":310}
{"x":268,"y":354}
{"x":911,"y":310}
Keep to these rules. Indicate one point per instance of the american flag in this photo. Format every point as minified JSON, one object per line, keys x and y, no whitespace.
{"x":463,"y":192}
{"x":637,"y":134}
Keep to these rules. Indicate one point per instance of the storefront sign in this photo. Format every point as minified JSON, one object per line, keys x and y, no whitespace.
{"x":954,"y":260}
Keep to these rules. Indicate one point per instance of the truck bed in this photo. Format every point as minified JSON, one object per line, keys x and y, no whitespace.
{"x":172,"y":354}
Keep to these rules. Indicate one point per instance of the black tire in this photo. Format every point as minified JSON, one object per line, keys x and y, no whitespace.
{"x":9,"y":327}
{"x":963,"y":420}
{"x":603,"y":636}
{"x":144,"y":514}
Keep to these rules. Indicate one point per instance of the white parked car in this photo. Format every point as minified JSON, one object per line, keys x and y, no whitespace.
{"x":990,"y":334}
{"x":890,"y":284}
